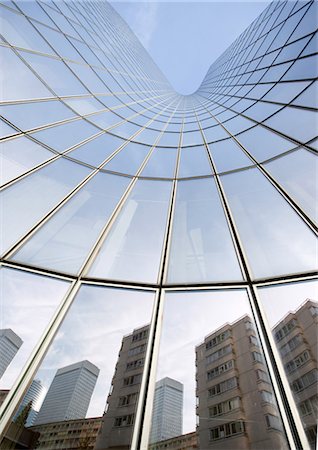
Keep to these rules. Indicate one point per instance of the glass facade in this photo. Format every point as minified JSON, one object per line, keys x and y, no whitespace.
{"x":160,"y":236}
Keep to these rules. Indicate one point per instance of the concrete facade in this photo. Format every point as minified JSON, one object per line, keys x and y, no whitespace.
{"x":69,"y":434}
{"x":296,"y":338}
{"x":235,"y":404}
{"x":117,"y":425}
{"x":184,"y":442}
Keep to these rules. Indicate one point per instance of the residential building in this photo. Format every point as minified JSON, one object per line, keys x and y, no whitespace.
{"x":167,"y":410}
{"x":184,"y":442}
{"x":118,"y":419}
{"x":77,"y":434}
{"x":69,"y":394}
{"x":296,"y":337}
{"x":236,"y":405}
{"x":10,"y":343}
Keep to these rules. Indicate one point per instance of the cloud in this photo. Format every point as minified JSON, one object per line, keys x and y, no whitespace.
{"x":145,"y":21}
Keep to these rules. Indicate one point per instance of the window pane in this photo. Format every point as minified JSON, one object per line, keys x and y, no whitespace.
{"x":227,"y":155}
{"x":275,"y":239}
{"x":129,"y":159}
{"x":64,"y":241}
{"x":200,"y":237}
{"x":162,"y":163}
{"x":194,"y":161}
{"x":132,"y":249}
{"x":23,"y":203}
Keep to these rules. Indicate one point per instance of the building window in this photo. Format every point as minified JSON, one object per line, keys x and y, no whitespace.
{"x":227,"y":430}
{"x":273,"y":421}
{"x":257,"y":357}
{"x":314,"y":310}
{"x":137,"y":350}
{"x":304,"y":381}
{"x":134,"y":379}
{"x":285,"y":330}
{"x":135,"y":364}
{"x":309,"y":406}
{"x":253,"y":340}
{"x":261,"y":375}
{"x":213,"y":373}
{"x":219,"y":354}
{"x":124,"y":421}
{"x":140,"y":335}
{"x":128,"y":399}
{"x":224,"y":407}
{"x":267,"y":397}
{"x":291,"y":345}
{"x":299,"y":361}
{"x":218,"y":339}
{"x":226,"y":385}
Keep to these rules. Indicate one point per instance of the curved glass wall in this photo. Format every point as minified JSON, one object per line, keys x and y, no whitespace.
{"x":158,"y":250}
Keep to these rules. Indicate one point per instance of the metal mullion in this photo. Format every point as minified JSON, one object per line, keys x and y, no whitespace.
{"x":38,"y":271}
{"x":297,"y":208}
{"x":36,"y":357}
{"x":294,"y":430}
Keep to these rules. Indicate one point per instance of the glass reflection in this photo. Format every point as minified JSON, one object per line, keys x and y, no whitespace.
{"x":292,"y":313}
{"x":83,"y":370}
{"x":220,"y":394}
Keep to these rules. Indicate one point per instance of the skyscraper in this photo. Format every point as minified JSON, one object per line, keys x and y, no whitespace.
{"x":167,"y":410}
{"x":235,"y":398}
{"x":69,"y":394}
{"x":114,"y":183}
{"x":118,"y":420}
{"x":10,"y":343}
{"x":35,"y":395}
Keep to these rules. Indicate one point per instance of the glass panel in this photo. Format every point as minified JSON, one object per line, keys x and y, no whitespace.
{"x":200,"y":237}
{"x":227,"y":155}
{"x":56,"y":74}
{"x":66,"y":135}
{"x":97,"y":150}
{"x":292,"y":313}
{"x":129,"y":159}
{"x":19,"y":32}
{"x":132,"y":249}
{"x":275,"y":239}
{"x":215,"y":133}
{"x":24,"y":297}
{"x":33,"y":115}
{"x":162,"y":163}
{"x":220,"y":396}
{"x":308,"y":97}
{"x":17,"y":80}
{"x":19,"y":155}
{"x":83,"y":371}
{"x":297,"y":173}
{"x":64,"y":242}
{"x":264,"y":144}
{"x":194,"y":161}
{"x":84,"y":105}
{"x":23,"y":203}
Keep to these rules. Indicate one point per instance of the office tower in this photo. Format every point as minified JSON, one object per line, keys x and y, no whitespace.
{"x":118,"y":419}
{"x":296,"y":337}
{"x":167,"y":410}
{"x":34,"y":396}
{"x":73,"y":434}
{"x":235,"y":398}
{"x":69,"y":394}
{"x":111,"y":178}
{"x":10,"y":343}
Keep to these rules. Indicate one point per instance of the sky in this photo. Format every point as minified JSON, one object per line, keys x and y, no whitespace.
{"x":184,"y":38}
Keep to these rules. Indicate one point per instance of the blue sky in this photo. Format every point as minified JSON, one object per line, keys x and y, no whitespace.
{"x":184,"y":38}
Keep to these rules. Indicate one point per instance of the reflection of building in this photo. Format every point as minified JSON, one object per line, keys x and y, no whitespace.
{"x":235,"y":398}
{"x":9,"y":345}
{"x":296,"y":338}
{"x":167,"y":410}
{"x":35,"y":395}
{"x":118,"y":419}
{"x":69,"y":434}
{"x":69,"y":394}
{"x":3,"y":395}
{"x":184,"y":442}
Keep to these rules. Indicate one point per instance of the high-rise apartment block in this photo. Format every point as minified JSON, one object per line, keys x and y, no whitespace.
{"x":10,"y":343}
{"x":33,"y":397}
{"x":118,"y":419}
{"x":167,"y":410}
{"x":296,"y":338}
{"x":69,"y":394}
{"x":234,"y":395}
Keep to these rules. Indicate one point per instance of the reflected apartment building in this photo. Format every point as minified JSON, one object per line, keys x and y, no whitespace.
{"x":115,"y":185}
{"x":236,"y":406}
